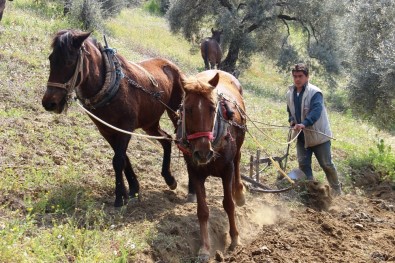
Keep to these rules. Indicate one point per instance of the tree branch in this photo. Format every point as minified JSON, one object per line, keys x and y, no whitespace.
{"x":227,"y":4}
{"x":287,"y":17}
{"x":289,"y":33}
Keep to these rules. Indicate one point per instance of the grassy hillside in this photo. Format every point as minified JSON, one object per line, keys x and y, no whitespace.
{"x":56,"y":183}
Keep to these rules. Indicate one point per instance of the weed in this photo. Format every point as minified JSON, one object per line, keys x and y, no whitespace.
{"x":380,"y":159}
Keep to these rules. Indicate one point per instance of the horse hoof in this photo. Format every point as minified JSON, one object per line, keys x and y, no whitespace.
{"x":234,"y":243}
{"x":133,"y":200}
{"x":120,"y":202}
{"x":173,"y":186}
{"x":203,"y":256}
{"x":240,"y":201}
{"x":191,"y":198}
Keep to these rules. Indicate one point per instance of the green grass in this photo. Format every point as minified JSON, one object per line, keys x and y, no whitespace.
{"x":55,"y":204}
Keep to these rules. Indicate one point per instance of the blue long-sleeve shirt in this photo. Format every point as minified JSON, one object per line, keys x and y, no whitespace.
{"x":316,"y":106}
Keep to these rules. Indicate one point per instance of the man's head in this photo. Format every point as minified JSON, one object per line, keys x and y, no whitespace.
{"x":300,"y":74}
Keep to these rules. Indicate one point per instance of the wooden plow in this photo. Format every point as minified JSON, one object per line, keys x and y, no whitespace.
{"x":256,"y":171}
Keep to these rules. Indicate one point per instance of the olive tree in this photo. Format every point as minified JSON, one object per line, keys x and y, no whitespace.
{"x":252,"y":26}
{"x":372,"y":62}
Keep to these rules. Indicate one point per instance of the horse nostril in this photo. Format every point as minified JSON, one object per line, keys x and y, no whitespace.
{"x":210,"y":155}
{"x":49,"y":106}
{"x":200,"y":155}
{"x":196,"y":155}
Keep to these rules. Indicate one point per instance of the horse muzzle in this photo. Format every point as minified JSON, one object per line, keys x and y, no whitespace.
{"x":202,"y":157}
{"x":54,"y":102}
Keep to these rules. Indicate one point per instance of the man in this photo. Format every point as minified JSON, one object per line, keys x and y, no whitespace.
{"x":307,"y":115}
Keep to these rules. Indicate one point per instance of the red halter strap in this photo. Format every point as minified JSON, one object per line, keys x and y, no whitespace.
{"x":196,"y":135}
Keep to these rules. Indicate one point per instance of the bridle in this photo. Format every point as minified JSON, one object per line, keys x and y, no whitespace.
{"x":70,"y":85}
{"x":220,"y":128}
{"x":208,"y":134}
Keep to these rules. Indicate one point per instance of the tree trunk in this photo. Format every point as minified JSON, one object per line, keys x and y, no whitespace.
{"x":229,"y":63}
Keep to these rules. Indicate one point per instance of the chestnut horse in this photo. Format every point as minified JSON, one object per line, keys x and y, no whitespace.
{"x":211,"y":51}
{"x":2,"y":7}
{"x":210,"y":134}
{"x":123,"y":94}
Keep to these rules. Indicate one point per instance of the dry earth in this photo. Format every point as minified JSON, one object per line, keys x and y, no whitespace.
{"x":298,"y":226}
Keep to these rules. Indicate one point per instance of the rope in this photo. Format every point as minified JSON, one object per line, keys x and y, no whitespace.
{"x":120,"y":130}
{"x":275,"y":164}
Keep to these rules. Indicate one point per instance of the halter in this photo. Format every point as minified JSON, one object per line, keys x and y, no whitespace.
{"x":214,"y":136}
{"x":70,"y":85}
{"x":113,"y":77}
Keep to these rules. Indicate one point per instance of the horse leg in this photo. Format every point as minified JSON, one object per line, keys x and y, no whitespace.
{"x":134,"y":186}
{"x":166,"y":145}
{"x":119,"y":162}
{"x":203,"y":214}
{"x":238,"y":188}
{"x":229,"y":206}
{"x":191,"y":187}
{"x":206,"y":64}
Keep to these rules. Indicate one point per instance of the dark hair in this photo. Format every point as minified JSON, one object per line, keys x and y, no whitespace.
{"x":301,"y":67}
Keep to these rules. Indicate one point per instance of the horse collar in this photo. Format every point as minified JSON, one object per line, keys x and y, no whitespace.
{"x":111,"y":84}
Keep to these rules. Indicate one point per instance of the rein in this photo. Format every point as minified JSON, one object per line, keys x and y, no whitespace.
{"x":121,"y":130}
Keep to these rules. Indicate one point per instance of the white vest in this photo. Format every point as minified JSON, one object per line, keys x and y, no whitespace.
{"x":311,"y":138}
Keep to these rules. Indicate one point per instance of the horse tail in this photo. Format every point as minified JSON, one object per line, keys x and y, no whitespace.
{"x":176,"y":76}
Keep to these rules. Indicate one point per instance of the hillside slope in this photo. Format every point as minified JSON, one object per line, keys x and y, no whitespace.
{"x":57,"y":182}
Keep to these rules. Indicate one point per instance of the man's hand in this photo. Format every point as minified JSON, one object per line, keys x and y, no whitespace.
{"x":298,"y":127}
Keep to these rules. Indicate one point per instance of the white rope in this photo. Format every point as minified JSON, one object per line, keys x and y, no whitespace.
{"x":120,"y":130}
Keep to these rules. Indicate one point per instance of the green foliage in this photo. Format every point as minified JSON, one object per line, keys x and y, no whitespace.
{"x":263,"y":26}
{"x":88,"y":13}
{"x":372,"y":38}
{"x":380,"y":159}
{"x":112,"y":7}
{"x":153,"y":7}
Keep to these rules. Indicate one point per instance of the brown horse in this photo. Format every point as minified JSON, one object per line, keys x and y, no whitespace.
{"x":134,"y":100}
{"x":211,"y":51}
{"x":2,"y":7}
{"x":210,"y":134}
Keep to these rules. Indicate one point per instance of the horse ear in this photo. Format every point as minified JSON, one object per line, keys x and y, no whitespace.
{"x":214,"y":81}
{"x":80,"y":38}
{"x":212,"y":30}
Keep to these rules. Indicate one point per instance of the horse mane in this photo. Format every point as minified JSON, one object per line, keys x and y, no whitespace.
{"x":194,"y":85}
{"x":63,"y":42}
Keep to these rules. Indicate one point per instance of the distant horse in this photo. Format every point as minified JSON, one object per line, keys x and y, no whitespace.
{"x":134,"y":100}
{"x":2,"y":7}
{"x":210,"y":134}
{"x":211,"y":51}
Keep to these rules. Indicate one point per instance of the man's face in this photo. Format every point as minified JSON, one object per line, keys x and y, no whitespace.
{"x":299,"y":79}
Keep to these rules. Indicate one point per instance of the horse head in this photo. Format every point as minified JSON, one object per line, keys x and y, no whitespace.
{"x":216,"y":34}
{"x":66,"y":68}
{"x":199,"y":112}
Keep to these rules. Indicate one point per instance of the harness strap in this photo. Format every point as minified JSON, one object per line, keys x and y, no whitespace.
{"x":197,"y":135}
{"x":70,"y":85}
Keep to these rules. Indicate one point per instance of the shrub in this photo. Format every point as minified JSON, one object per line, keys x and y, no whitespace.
{"x":381,"y":160}
{"x":88,"y":13}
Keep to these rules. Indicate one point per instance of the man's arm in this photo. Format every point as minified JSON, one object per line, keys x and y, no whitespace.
{"x":290,"y":118}
{"x":316,"y":106}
